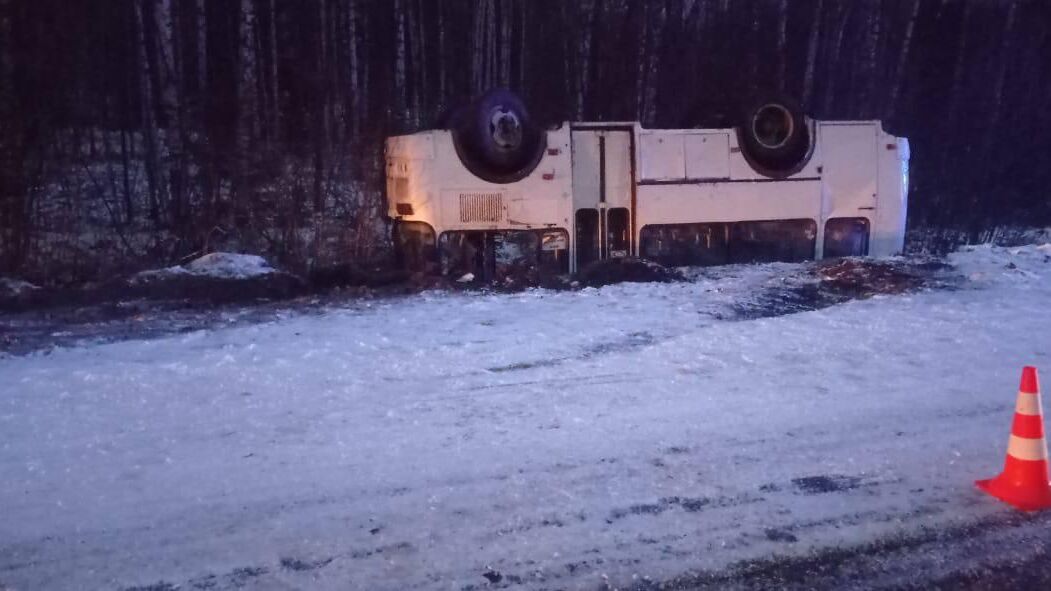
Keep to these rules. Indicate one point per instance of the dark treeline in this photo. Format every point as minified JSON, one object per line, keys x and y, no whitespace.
{"x":138,"y":132}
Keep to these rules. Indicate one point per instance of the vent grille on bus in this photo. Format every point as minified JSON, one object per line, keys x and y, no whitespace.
{"x":481,"y":207}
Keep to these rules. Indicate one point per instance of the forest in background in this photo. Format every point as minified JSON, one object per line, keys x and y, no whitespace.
{"x":135,"y":133}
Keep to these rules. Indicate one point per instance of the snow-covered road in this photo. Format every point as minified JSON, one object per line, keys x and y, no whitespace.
{"x":540,"y":440}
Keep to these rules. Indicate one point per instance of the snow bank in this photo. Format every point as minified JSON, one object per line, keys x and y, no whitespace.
{"x":158,"y":275}
{"x":218,"y":265}
{"x":15,"y":287}
{"x":230,"y":266}
{"x":986,"y":265}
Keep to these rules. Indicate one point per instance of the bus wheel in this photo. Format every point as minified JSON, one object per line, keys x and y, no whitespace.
{"x":775,"y":137}
{"x":496,"y":139}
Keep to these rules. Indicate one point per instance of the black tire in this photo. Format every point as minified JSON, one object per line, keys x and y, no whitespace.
{"x":775,"y":137}
{"x":496,"y":139}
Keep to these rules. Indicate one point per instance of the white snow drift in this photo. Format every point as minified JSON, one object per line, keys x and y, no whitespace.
{"x":15,"y":287}
{"x":221,"y":265}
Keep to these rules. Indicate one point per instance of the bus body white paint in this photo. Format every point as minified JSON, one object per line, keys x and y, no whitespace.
{"x":857,"y":171}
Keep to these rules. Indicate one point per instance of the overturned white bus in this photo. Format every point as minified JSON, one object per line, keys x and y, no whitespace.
{"x":493,"y":194}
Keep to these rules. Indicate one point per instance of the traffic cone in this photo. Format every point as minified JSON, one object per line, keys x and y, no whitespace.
{"x":1024,"y":482}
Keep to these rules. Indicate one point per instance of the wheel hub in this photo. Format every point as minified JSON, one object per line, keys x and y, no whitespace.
{"x":772,"y":126}
{"x":505,"y":129}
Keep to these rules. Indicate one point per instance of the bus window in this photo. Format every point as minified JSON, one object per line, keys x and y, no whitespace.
{"x":414,"y":246}
{"x":587,"y":235}
{"x":846,"y":237}
{"x":682,"y":245}
{"x":783,"y":241}
{"x":618,"y":229}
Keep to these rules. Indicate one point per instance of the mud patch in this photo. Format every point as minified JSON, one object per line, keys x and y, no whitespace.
{"x":295,"y":564}
{"x":158,"y":586}
{"x":780,"y":535}
{"x":240,"y":575}
{"x":237,"y":578}
{"x":205,"y":582}
{"x":626,"y":270}
{"x":816,"y":485}
{"x":631,"y":342}
{"x":859,"y":566}
{"x":185,"y":287}
{"x":26,"y":332}
{"x":859,"y":278}
{"x":688,"y":504}
{"x":828,"y":283}
{"x":399,"y":547}
{"x":117,"y":312}
{"x":528,"y":365}
{"x":550,"y":521}
{"x":1031,"y":573}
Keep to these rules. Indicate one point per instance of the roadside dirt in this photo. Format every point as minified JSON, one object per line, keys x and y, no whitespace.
{"x":1006,"y":552}
{"x":120,"y":310}
{"x":828,"y":283}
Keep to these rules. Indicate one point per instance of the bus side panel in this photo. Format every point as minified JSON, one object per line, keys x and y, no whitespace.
{"x":888,"y":236}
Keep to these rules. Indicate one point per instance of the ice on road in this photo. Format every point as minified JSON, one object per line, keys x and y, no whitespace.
{"x":537,"y":440}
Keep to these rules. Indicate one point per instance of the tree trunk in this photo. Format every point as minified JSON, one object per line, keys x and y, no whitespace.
{"x":355,"y":101}
{"x":151,"y":148}
{"x":247,"y":122}
{"x":400,"y":63}
{"x":812,"y":56}
{"x":505,"y":43}
{"x":903,"y":57}
{"x":782,"y":44}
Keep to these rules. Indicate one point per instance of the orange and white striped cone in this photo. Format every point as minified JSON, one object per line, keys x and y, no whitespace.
{"x":1024,"y":482}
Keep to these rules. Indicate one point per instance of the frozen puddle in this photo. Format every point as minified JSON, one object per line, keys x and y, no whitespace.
{"x":617,"y":437}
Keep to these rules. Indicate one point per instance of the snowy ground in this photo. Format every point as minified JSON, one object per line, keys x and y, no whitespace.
{"x":541,"y":440}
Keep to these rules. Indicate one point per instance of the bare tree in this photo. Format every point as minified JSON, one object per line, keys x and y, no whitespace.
{"x":179,"y":119}
{"x":903,"y":57}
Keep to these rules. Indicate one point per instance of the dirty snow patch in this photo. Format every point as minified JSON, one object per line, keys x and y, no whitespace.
{"x":220,"y":265}
{"x":230,"y":266}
